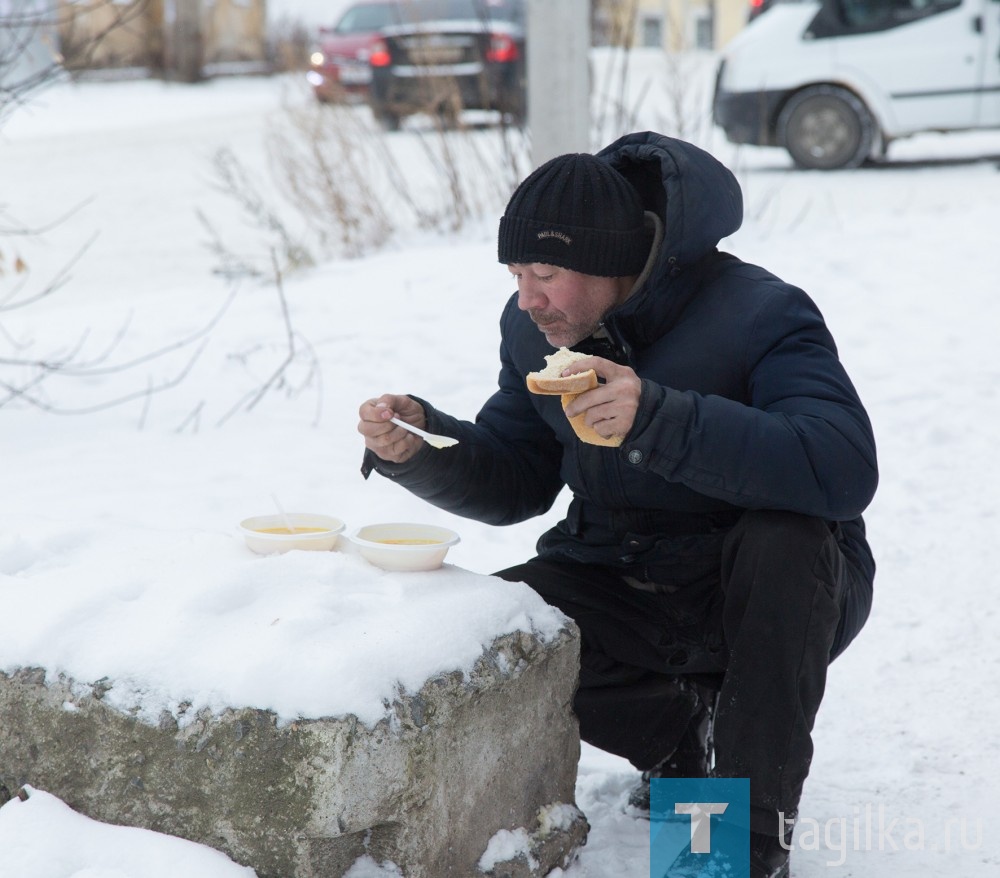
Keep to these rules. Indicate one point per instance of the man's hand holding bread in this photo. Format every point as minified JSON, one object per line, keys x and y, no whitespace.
{"x":600,"y":397}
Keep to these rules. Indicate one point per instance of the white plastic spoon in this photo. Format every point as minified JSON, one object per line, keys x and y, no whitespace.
{"x":431,"y":439}
{"x":284,"y":515}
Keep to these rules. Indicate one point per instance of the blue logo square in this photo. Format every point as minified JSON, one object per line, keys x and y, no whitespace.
{"x":699,"y":827}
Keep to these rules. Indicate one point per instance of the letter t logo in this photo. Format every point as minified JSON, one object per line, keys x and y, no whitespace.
{"x":676,"y":848}
{"x":701,"y":822}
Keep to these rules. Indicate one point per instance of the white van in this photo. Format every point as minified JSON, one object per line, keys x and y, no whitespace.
{"x":834,"y":81}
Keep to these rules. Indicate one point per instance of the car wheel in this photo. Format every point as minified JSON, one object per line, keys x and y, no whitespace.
{"x":826,"y":127}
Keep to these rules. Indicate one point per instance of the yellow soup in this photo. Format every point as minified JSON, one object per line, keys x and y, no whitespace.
{"x":284,"y":531}
{"x":409,"y":542}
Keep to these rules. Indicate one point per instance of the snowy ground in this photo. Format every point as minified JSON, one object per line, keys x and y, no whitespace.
{"x":117,"y":529}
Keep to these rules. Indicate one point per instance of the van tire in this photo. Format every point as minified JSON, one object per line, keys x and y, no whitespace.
{"x":824,"y":127}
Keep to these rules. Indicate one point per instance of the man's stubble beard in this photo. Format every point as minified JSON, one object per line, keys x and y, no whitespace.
{"x":568,"y":334}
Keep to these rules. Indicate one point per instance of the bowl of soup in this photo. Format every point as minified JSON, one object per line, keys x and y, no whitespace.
{"x":402,"y":546}
{"x":267,"y":534}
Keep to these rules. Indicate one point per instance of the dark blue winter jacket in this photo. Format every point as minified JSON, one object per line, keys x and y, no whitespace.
{"x":744,"y":404}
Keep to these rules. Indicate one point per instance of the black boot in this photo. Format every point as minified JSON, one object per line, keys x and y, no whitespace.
{"x":768,"y":858}
{"x":693,"y":756}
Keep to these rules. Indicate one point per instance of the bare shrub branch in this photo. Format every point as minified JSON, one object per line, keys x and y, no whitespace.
{"x":353,"y":187}
{"x":279,"y":374}
{"x":22,"y":393}
{"x":39,"y":42}
{"x":322,"y":159}
{"x":233,"y":180}
{"x":30,"y":32}
{"x":69,"y":364}
{"x":10,"y":301}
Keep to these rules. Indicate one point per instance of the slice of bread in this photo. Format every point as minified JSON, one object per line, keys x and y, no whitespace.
{"x":549,"y":380}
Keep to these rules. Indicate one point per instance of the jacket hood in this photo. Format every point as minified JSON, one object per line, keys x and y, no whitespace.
{"x":699,"y":202}
{"x":697,"y":197}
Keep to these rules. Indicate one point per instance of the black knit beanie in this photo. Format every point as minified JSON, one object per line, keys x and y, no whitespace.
{"x":577,"y":212}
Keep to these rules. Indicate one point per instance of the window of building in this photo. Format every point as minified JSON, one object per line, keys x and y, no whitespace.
{"x":704,"y":29}
{"x":651,"y":31}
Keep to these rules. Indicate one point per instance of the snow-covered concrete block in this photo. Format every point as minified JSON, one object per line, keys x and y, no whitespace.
{"x":474,"y":774}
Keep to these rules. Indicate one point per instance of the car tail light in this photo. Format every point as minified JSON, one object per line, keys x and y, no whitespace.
{"x":379,"y":55}
{"x":502,"y":49}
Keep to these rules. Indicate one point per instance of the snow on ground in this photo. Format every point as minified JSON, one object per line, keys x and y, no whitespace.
{"x":118,"y":529}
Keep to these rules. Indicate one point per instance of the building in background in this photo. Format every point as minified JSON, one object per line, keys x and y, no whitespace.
{"x":178,"y":39}
{"x":674,"y":25}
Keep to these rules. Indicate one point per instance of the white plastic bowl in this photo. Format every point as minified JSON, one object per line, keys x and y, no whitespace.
{"x":378,"y":545}
{"x":323,"y":539}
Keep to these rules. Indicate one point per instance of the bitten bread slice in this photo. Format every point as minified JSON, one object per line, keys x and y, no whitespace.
{"x":549,"y":380}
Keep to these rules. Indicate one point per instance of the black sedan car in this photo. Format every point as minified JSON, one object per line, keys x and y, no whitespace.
{"x":446,"y":56}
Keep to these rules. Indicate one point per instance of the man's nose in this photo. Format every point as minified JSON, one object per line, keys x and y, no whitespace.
{"x":528,"y":296}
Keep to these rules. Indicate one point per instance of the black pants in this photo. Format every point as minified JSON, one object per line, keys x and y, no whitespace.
{"x":787,"y":601}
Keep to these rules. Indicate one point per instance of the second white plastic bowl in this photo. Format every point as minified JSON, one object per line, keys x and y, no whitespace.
{"x":400,"y":546}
